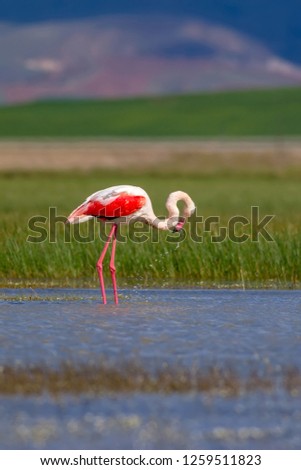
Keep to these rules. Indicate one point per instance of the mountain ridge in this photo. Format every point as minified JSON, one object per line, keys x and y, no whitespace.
{"x":129,"y":55}
{"x":276,"y":24}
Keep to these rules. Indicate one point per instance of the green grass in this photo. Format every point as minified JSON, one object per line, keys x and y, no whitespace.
{"x":238,"y":113}
{"x":162,"y":260}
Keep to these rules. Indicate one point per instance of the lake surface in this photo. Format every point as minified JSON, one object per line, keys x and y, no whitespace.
{"x":242,"y":330}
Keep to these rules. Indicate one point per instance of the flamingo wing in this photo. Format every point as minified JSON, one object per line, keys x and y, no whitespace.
{"x":109,"y":204}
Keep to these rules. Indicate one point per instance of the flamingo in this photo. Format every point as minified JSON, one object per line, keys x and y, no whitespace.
{"x":127,"y":203}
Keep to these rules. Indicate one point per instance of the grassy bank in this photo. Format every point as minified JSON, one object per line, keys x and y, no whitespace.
{"x":162,"y":259}
{"x":238,"y":113}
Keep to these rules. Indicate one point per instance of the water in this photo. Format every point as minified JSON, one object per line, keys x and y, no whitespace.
{"x":245,"y":330}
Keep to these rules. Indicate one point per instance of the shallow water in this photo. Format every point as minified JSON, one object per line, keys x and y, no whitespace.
{"x":244,"y":330}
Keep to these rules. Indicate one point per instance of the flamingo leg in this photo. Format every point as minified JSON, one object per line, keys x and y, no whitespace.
{"x":99,"y":264}
{"x":112,"y":265}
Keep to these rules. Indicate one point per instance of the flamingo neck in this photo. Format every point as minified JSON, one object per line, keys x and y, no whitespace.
{"x":174,"y":220}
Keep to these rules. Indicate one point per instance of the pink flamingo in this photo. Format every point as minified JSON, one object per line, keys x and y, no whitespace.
{"x":125,"y":204}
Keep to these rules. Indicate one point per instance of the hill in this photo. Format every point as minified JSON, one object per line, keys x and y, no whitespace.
{"x":133,"y":55}
{"x":243,"y":113}
{"x":276,"y":24}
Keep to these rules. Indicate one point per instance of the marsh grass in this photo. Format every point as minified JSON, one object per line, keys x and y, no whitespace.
{"x":103,"y":378}
{"x":132,"y":378}
{"x":158,"y":261}
{"x":44,"y":298}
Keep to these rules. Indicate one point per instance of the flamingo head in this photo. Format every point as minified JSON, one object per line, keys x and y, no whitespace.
{"x":180,"y":221}
{"x":178,"y":226}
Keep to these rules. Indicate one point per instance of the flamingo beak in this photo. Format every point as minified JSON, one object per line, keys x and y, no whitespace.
{"x":179,"y":226}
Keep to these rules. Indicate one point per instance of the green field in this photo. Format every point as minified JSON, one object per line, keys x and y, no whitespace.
{"x":240,"y":113}
{"x":165,"y":261}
